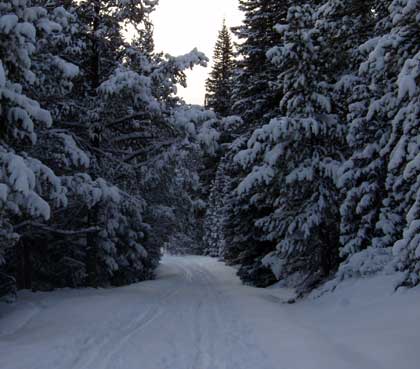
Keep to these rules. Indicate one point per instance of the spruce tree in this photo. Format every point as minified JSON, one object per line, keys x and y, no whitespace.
{"x":380,"y":178}
{"x":363,"y":175}
{"x":216,"y":213}
{"x":253,"y":96}
{"x":219,"y":84}
{"x":292,"y":162}
{"x":29,"y":189}
{"x":256,"y":102}
{"x":398,"y":224}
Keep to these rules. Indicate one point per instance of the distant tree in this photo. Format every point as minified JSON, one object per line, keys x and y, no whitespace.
{"x":219,"y":84}
{"x":214,"y":220}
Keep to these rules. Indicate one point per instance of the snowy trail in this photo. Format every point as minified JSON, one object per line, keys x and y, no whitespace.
{"x":197,"y":315}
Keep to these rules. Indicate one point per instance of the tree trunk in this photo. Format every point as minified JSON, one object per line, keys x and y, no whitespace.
{"x":91,"y":238}
{"x":24,"y":265}
{"x":92,"y":249}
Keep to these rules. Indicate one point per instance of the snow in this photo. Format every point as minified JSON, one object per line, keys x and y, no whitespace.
{"x":259,"y":175}
{"x":36,"y":206}
{"x":194,"y":57}
{"x":33,"y":13}
{"x":26,"y":29}
{"x":49,"y":27}
{"x":21,"y":178}
{"x":407,"y":86}
{"x":2,"y":75}
{"x":76,"y":156}
{"x":4,"y":191}
{"x":138,"y":86}
{"x":69,"y":70}
{"x":20,"y":115}
{"x":368,"y":262}
{"x":198,"y":315}
{"x":8,"y":22}
{"x":20,"y":181}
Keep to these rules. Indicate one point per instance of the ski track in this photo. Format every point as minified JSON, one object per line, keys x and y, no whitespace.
{"x":195,"y":315}
{"x":105,"y":352}
{"x":232,"y":335}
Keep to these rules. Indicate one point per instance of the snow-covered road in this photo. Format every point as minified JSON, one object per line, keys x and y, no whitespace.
{"x":197,"y":315}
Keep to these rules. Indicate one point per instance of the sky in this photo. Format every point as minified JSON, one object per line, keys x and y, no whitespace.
{"x":182,"y":25}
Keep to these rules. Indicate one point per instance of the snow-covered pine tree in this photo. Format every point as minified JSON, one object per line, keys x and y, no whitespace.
{"x":255,"y":101}
{"x":215,"y":216}
{"x":253,"y":96}
{"x":345,"y":25}
{"x":219,"y":176}
{"x":252,"y":99}
{"x":212,"y":227}
{"x":244,"y":245}
{"x":399,"y":217}
{"x":380,"y":193}
{"x":28,"y":187}
{"x":363,"y":175}
{"x":49,"y":258}
{"x":128,"y":104}
{"x":88,"y":118}
{"x":292,"y":162}
{"x":219,"y":85}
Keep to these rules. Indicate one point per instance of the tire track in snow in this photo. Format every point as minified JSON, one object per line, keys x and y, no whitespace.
{"x":194,"y":283}
{"x":239,"y":347}
{"x":198,"y":333}
{"x":233,"y":331}
{"x":25,"y":318}
{"x":149,"y":317}
{"x":101,"y":352}
{"x":106,"y":351}
{"x":208,"y":356}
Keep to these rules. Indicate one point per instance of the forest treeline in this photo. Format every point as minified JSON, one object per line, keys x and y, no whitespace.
{"x":98,"y":156}
{"x":303,"y":166}
{"x":321,"y":179}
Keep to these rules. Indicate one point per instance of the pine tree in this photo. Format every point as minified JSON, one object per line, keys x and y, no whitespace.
{"x":255,"y":101}
{"x":219,"y":84}
{"x":380,"y":192}
{"x":398,"y":224}
{"x":291,"y":163}
{"x":216,"y":213}
{"x":124,"y":105}
{"x":29,"y":188}
{"x":253,"y":97}
{"x":363,"y":175}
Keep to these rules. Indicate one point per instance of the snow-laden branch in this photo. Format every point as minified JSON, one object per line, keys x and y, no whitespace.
{"x":63,"y":232}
